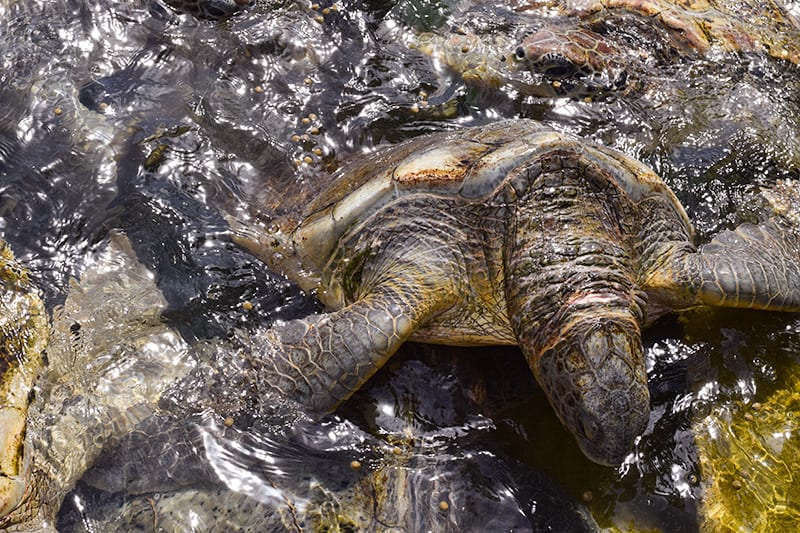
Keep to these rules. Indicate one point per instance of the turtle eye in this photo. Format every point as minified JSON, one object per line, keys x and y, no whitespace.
{"x":520,"y":52}
{"x":590,"y":428}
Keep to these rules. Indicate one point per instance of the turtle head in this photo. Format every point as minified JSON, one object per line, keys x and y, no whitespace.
{"x":561,"y":53}
{"x":572,"y":54}
{"x":594,"y":376}
{"x":553,"y":64}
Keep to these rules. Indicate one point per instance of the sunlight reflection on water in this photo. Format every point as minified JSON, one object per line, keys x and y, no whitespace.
{"x":132,"y":116}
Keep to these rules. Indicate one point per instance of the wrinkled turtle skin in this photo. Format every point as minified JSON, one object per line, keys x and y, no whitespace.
{"x":23,"y":338}
{"x":749,"y":458}
{"x":510,"y":233}
{"x":609,"y":45}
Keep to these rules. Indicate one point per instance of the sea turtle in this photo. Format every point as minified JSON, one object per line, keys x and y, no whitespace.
{"x":600,"y":45}
{"x":508,"y":233}
{"x":165,"y":424}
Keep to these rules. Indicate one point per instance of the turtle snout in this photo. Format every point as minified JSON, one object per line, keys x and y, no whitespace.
{"x":595,"y":379}
{"x":615,"y":397}
{"x":608,"y":435}
{"x":591,"y":424}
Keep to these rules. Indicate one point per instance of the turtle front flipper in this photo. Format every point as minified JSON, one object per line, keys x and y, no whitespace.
{"x":319,"y":361}
{"x":752,"y":266}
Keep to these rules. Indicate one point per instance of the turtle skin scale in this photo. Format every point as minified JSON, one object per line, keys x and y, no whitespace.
{"x":510,"y":233}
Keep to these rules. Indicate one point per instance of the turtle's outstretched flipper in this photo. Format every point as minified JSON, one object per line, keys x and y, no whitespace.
{"x":319,"y":361}
{"x":753,"y":266}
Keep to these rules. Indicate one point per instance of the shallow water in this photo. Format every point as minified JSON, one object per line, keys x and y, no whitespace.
{"x":125,"y":115}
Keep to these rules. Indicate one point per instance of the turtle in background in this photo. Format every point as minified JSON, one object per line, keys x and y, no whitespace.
{"x":579,"y":46}
{"x":509,"y":233}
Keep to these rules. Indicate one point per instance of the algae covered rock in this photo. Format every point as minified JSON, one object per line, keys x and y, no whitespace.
{"x":750,"y":463}
{"x":23,"y":338}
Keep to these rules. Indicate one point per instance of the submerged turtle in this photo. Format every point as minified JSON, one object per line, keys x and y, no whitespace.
{"x":602,"y":45}
{"x":510,"y":233}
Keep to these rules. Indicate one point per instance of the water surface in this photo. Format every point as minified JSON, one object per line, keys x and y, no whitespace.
{"x":130,"y":116}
